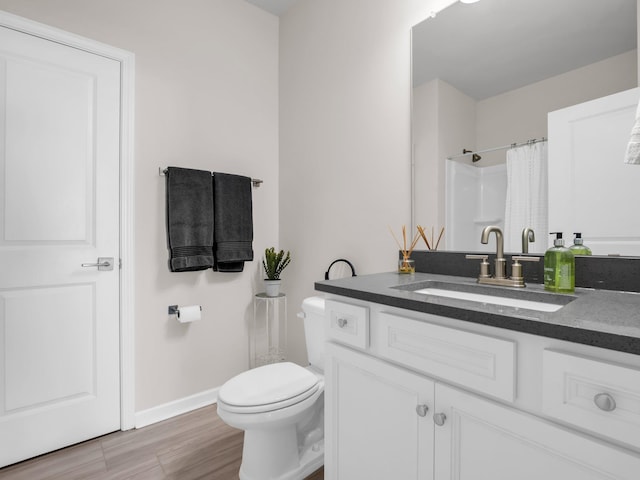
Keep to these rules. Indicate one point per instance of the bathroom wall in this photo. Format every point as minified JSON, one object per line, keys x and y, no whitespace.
{"x":443,"y":119}
{"x":206,"y":97}
{"x":425,"y":139}
{"x":345,"y":92}
{"x":495,"y":125}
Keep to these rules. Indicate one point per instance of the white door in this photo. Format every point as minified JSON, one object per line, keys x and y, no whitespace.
{"x":378,"y":419}
{"x":59,"y":204}
{"x":481,"y":439}
{"x":591,"y":189}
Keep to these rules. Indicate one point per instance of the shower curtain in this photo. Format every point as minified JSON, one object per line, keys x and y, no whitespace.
{"x":526,"y":203}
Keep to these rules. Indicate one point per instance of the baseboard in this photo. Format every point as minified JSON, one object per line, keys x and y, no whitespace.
{"x":177,"y":407}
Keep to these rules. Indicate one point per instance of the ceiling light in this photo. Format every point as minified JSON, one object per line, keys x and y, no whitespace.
{"x":469,"y":1}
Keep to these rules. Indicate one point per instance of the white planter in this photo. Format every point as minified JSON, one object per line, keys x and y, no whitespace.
{"x":272,"y":288}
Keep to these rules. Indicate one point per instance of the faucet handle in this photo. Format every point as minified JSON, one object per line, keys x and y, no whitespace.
{"x":484,"y":265}
{"x":516,"y":268}
{"x":522,"y":258}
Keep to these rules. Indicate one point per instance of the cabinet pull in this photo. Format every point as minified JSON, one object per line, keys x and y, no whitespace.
{"x":439,"y":419}
{"x":605,"y":402}
{"x":342,"y":322}
{"x":422,"y":410}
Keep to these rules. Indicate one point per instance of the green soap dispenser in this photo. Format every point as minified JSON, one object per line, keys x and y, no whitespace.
{"x":559,"y":267}
{"x":578,"y":247}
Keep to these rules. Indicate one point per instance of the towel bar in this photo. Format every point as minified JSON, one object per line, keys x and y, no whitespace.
{"x":256,"y":182}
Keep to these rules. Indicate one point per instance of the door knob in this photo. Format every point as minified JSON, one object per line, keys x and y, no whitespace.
{"x":422,"y":410}
{"x":104,"y":264}
{"x":342,"y":322}
{"x":439,"y":419}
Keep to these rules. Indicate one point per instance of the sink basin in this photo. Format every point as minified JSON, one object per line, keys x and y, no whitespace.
{"x":504,"y":301}
{"x":525,"y":299}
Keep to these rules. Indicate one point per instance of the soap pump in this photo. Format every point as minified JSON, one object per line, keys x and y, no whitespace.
{"x":559,"y":267}
{"x":578,"y":247}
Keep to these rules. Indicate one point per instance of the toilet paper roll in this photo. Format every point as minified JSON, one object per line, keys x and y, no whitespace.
{"x":190,"y":313}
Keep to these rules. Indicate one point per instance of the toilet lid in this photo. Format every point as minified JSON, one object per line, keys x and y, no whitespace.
{"x":269,"y":384}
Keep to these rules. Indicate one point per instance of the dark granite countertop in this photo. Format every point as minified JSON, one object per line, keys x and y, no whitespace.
{"x":601,"y":318}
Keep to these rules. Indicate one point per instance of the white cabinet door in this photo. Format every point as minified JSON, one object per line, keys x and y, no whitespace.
{"x":481,"y":439}
{"x":378,"y":419}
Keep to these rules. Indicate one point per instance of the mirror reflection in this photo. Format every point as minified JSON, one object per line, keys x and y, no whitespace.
{"x":485,"y":77}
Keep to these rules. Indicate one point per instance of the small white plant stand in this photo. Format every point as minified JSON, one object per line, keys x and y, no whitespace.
{"x":268,"y":333}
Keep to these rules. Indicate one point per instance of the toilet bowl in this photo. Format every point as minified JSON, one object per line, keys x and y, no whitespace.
{"x":280,"y":407}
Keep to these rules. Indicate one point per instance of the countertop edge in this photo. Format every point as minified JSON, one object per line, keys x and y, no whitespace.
{"x":611,"y":341}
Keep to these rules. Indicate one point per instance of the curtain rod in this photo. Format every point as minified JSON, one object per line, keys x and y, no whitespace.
{"x":256,"y":182}
{"x":513,"y":145}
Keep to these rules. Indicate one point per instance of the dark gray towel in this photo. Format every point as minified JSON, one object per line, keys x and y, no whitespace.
{"x":189,"y":219}
{"x":233,"y":218}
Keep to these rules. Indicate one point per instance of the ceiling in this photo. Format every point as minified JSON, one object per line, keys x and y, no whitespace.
{"x":494,"y":46}
{"x":277,"y":7}
{"x":500,"y":45}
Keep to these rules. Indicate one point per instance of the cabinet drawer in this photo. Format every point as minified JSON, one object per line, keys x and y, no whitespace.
{"x":479,"y":362}
{"x":592,"y":395}
{"x":347,"y":324}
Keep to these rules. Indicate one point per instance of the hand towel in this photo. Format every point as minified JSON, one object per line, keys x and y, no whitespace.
{"x":633,"y":148}
{"x":233,"y":219}
{"x":189,"y":219}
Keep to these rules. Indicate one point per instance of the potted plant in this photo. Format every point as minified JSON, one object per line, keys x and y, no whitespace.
{"x":274,"y":263}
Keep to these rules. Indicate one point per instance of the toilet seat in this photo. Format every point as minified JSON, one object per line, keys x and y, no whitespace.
{"x":267,"y":388}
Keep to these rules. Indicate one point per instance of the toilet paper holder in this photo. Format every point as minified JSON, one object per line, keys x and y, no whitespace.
{"x":175,"y":310}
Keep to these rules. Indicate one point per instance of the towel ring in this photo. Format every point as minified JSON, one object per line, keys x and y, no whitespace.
{"x":353,"y":270}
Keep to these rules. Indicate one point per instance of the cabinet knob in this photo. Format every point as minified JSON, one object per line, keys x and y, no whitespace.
{"x":605,"y":402}
{"x":422,"y":410}
{"x":342,"y":322}
{"x":439,"y":419}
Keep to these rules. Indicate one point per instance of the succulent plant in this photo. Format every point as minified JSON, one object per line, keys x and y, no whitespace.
{"x":274,"y":262}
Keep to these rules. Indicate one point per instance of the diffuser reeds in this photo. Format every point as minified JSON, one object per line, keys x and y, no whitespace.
{"x":434,"y":242}
{"x":406,"y":265}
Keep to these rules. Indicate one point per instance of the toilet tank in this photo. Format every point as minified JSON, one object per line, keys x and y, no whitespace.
{"x":313,"y":314}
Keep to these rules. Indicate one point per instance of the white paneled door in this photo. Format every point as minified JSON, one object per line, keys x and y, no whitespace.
{"x":591,"y":189}
{"x":59,"y":209}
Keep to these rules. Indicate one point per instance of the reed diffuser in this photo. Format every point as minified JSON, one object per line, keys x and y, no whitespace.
{"x":406,"y":264}
{"x":434,"y":244}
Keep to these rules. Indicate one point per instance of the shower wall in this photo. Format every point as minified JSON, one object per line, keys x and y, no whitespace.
{"x":475,"y":197}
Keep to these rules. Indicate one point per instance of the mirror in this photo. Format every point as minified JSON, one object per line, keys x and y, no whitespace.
{"x":485,"y":76}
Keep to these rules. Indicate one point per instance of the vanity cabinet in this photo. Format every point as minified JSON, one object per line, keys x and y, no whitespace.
{"x":379,"y":419}
{"x":423,"y":398}
{"x":482,"y":439}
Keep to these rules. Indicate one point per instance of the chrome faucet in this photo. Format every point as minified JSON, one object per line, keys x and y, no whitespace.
{"x":527,"y":236}
{"x":500,"y":262}
{"x":500,"y":270}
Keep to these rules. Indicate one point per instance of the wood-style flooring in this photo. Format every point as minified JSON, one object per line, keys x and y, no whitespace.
{"x":196,"y":445}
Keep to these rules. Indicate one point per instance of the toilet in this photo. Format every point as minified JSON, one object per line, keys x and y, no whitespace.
{"x":280,"y":407}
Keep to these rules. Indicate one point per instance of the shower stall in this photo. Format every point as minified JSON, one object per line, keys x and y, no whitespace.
{"x":475,"y":198}
{"x":511,"y":195}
